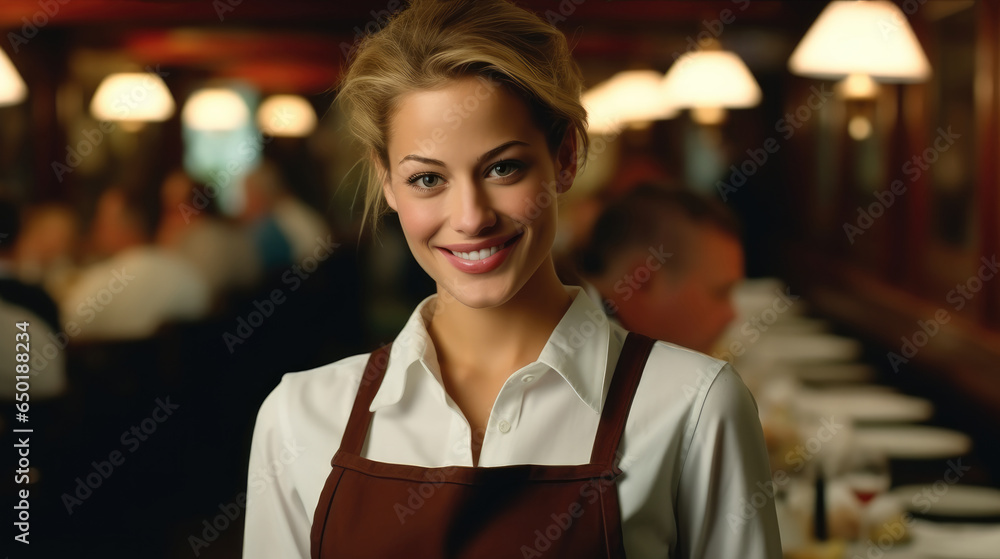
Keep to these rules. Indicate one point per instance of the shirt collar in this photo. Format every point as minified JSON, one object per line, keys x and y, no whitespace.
{"x":577,"y":350}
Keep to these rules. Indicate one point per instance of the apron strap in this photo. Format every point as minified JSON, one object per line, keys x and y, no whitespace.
{"x":361,"y":416}
{"x":618,"y":402}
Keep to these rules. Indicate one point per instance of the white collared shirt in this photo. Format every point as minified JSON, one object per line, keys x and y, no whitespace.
{"x":696,"y":472}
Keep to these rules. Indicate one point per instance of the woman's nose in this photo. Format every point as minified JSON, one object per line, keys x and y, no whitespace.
{"x":471,"y":209}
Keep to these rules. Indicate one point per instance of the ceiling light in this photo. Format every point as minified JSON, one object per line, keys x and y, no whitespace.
{"x":12,"y":87}
{"x":630,"y":97}
{"x":216,"y":109}
{"x":286,"y":115}
{"x":132,"y":97}
{"x":861,"y":37}
{"x":711,"y":78}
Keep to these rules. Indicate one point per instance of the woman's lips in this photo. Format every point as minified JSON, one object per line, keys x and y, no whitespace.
{"x":481,"y":260}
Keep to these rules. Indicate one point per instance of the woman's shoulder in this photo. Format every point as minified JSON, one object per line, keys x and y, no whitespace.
{"x":681,"y":386}
{"x":673,"y":366}
{"x":335,"y":377}
{"x":314,"y":392}
{"x":701,"y":377}
{"x":298,"y":428}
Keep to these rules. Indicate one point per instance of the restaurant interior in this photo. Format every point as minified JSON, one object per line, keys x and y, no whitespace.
{"x":857,"y":143}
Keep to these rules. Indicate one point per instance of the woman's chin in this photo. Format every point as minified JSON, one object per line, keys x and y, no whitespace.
{"x":477,"y":294}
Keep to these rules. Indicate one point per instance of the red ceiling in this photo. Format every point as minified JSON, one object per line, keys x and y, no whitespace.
{"x":346,"y":14}
{"x":296,"y":45}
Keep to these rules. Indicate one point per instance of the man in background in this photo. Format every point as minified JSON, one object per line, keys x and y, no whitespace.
{"x":665,"y":263}
{"x":137,"y":287}
{"x":21,"y":303}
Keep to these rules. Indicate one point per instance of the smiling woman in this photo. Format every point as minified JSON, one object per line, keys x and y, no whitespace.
{"x":466,"y":207}
{"x":501,"y":420}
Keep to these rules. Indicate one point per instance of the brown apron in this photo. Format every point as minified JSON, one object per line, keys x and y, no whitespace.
{"x":380,"y":510}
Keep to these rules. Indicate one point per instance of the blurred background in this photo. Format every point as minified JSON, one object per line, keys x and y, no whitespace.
{"x":182,"y":226}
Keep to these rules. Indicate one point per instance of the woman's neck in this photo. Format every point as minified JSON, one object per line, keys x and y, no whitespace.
{"x":501,"y":339}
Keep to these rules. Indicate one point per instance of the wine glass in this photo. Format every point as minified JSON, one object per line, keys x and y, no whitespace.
{"x":866,"y":473}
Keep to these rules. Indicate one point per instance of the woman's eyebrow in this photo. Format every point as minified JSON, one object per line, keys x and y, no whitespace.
{"x":421,"y":159}
{"x":488,"y":155}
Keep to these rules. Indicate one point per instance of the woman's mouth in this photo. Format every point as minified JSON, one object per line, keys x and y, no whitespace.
{"x":480,"y":261}
{"x":485,"y":253}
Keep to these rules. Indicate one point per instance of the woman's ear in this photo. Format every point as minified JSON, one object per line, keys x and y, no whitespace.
{"x":566,"y":161}
{"x":383,"y":177}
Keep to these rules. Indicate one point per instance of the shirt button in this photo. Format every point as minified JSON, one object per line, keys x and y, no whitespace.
{"x":527,"y":378}
{"x":504,"y":426}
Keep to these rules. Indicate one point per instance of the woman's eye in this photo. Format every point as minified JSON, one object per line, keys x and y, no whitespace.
{"x":503,"y":169}
{"x":425,"y":181}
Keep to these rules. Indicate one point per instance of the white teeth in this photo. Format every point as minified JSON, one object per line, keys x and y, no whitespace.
{"x":478,"y":254}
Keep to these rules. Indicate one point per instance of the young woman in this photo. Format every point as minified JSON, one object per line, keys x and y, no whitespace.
{"x":508,"y":418}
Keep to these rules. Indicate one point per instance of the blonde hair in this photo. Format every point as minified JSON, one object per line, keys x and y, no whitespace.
{"x":435,"y":41}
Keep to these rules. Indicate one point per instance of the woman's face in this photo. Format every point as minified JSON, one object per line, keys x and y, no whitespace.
{"x":474,"y":183}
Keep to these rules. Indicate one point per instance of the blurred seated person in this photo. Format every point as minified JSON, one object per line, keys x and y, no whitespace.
{"x":191,"y":227}
{"x":138,"y":286}
{"x":665,"y":263}
{"x":285,"y":229}
{"x":48,"y":246}
{"x":22,"y":302}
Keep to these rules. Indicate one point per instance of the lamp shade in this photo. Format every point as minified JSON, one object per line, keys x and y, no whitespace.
{"x":713,"y":78}
{"x":286,"y":115}
{"x":632,"y":96}
{"x":132,"y":96}
{"x":861,"y":37}
{"x":217,"y":109}
{"x":12,"y":87}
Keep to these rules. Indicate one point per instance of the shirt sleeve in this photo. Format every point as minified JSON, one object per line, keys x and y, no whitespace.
{"x":725,"y":495}
{"x":277,"y":523}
